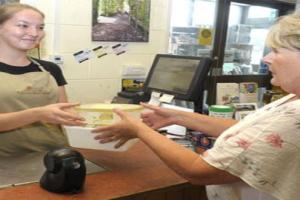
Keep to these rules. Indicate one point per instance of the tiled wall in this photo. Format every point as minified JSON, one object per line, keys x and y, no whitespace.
{"x":68,"y":29}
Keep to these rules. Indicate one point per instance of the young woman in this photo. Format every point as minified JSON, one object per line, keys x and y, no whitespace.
{"x":262,"y":150}
{"x":33,"y":100}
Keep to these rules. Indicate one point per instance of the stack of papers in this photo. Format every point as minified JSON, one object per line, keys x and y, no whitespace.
{"x":175,"y":131}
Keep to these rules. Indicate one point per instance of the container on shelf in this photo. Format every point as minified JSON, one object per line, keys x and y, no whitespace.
{"x":222,"y":111}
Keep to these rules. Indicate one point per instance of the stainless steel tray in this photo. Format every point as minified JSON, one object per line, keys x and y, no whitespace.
{"x":29,"y":169}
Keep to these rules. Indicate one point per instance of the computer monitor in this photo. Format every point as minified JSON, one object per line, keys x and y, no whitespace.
{"x":181,"y":76}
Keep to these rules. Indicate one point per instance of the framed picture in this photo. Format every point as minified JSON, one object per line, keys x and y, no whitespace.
{"x":243,"y":109}
{"x":121,"y":20}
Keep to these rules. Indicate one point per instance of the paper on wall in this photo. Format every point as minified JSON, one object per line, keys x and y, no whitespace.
{"x":119,"y":49}
{"x":100,"y":51}
{"x":83,"y":55}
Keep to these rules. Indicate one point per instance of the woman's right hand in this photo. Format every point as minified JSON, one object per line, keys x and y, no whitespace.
{"x":60,"y":113}
{"x":157,"y":117}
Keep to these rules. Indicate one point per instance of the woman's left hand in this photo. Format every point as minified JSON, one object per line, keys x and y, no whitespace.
{"x":123,"y":130}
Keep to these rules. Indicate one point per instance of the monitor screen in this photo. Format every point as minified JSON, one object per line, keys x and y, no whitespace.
{"x":181,"y":76}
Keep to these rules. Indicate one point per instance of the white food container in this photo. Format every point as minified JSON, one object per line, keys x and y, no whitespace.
{"x":102,"y":114}
{"x":81,"y":137}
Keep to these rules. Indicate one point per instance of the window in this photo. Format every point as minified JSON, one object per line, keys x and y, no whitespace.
{"x":192,"y":27}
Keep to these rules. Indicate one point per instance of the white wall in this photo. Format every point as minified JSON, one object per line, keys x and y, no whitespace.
{"x":68,"y":29}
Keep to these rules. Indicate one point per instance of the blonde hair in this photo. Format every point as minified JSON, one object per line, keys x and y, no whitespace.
{"x":285,"y":33}
{"x":7,"y":11}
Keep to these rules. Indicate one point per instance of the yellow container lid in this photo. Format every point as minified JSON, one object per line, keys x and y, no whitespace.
{"x":102,"y":107}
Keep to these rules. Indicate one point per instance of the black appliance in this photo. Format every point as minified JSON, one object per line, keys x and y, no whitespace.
{"x":65,"y":171}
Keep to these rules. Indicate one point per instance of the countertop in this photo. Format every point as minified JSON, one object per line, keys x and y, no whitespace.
{"x":135,"y":171}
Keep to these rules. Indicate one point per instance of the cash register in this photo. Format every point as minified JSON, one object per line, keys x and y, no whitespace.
{"x":181,"y":76}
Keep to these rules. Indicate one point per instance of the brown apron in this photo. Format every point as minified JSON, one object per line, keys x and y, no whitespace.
{"x":23,"y":91}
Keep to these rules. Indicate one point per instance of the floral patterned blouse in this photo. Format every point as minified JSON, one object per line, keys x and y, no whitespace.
{"x":264,"y":149}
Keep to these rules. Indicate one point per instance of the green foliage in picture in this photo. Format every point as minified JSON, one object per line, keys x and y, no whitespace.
{"x":111,"y":7}
{"x":139,"y":9}
{"x":95,"y":11}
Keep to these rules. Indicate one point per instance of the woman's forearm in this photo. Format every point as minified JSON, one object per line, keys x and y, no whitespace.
{"x":14,"y":120}
{"x":175,"y":156}
{"x":183,"y":161}
{"x":212,"y":126}
{"x":62,"y":95}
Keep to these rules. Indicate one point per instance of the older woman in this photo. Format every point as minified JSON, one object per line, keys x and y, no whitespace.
{"x":262,"y":150}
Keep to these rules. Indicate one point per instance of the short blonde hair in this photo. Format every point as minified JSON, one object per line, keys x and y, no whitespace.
{"x":7,"y":11}
{"x":285,"y":33}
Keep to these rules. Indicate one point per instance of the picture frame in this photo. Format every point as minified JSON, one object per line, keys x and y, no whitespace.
{"x":121,"y":20}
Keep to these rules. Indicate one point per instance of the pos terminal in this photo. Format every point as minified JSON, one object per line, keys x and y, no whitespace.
{"x":181,"y":76}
